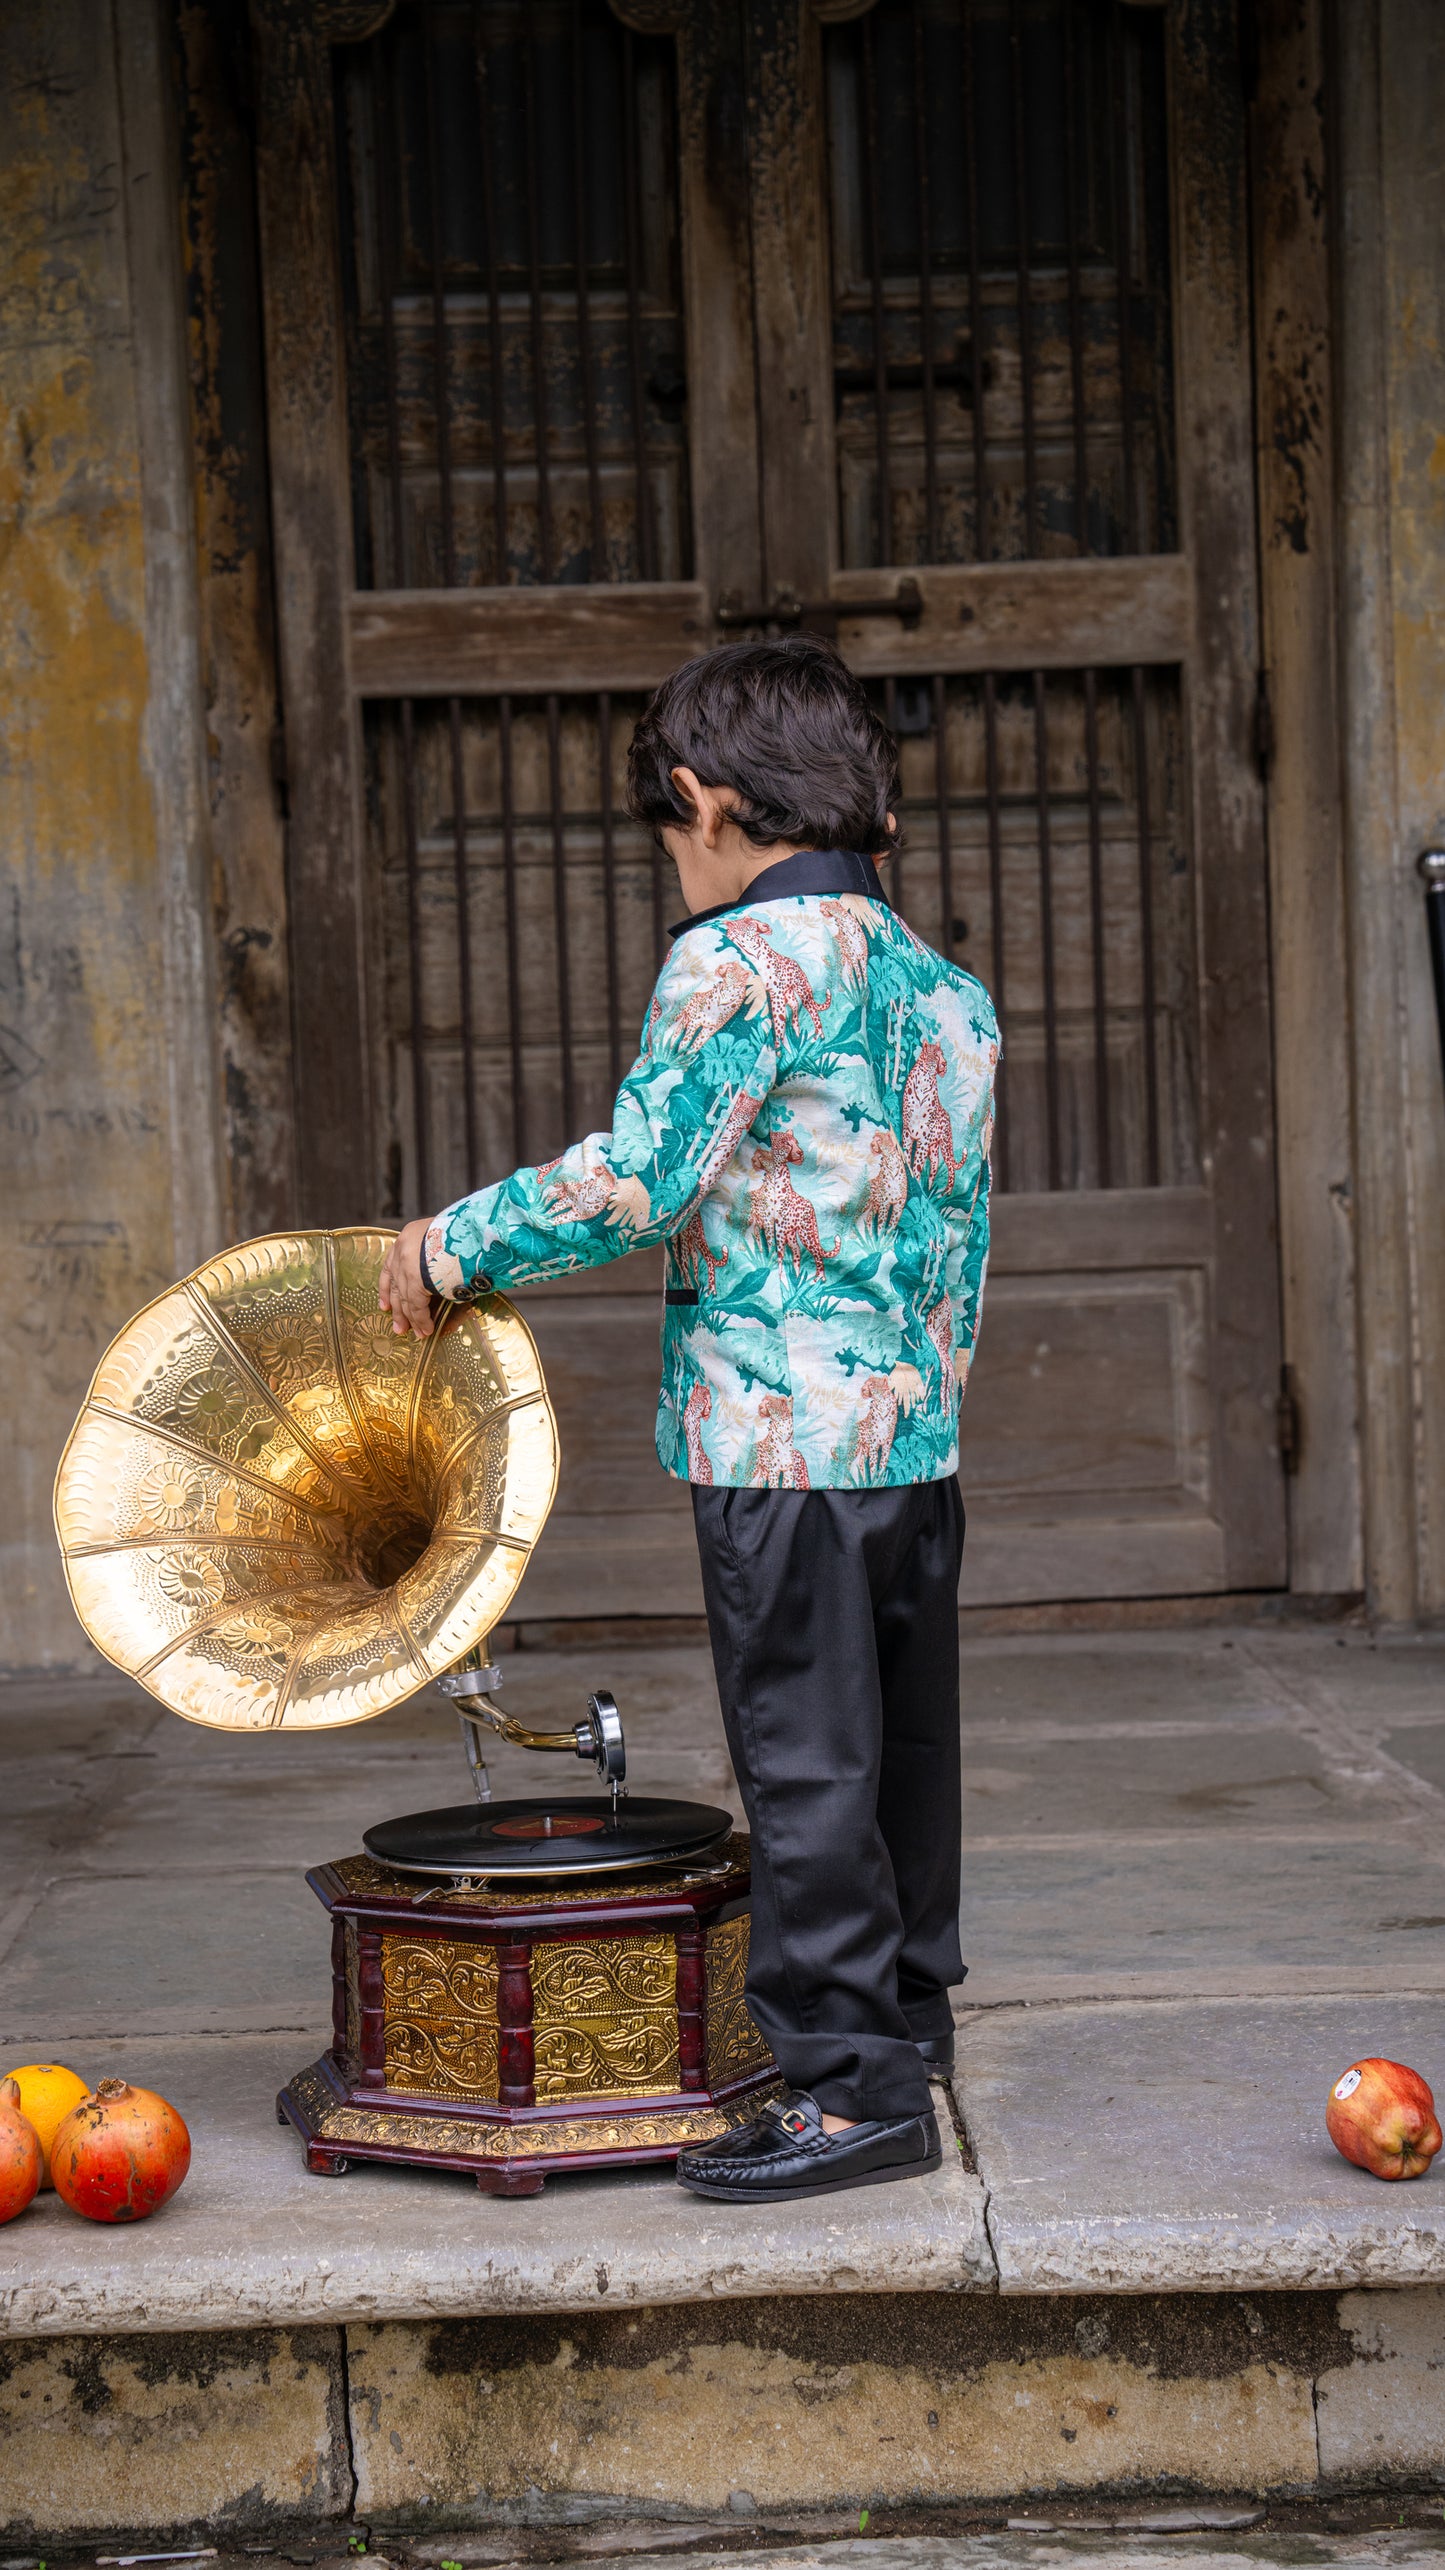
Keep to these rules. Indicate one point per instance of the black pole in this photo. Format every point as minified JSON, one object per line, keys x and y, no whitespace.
{"x":1432,"y":869}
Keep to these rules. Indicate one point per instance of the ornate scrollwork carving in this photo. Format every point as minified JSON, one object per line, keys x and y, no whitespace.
{"x":727,"y":1867}
{"x":604,"y":2017}
{"x":435,"y":2136}
{"x":440,"y":2001}
{"x":734,"y":2045}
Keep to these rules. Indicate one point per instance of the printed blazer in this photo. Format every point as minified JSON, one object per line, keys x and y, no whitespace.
{"x":807,"y":1129}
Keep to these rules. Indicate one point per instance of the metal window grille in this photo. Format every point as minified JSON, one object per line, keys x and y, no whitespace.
{"x":1002,"y":363}
{"x":509,"y":228}
{"x":519,"y":917}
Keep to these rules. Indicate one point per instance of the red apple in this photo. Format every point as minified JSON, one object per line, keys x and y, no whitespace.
{"x":1382,"y":2116}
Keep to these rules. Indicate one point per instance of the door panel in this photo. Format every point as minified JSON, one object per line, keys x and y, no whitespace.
{"x":643,"y":326}
{"x":520,"y":921}
{"x":1096,"y":1396}
{"x":512,"y":282}
{"x":1002,"y":368}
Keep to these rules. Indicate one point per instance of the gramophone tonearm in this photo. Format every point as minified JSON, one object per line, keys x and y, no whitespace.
{"x":472,"y":1686}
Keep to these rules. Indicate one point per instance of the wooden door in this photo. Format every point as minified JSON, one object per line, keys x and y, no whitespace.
{"x":599,"y":333}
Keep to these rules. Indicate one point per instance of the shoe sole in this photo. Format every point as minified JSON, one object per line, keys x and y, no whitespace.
{"x":830,"y":2186}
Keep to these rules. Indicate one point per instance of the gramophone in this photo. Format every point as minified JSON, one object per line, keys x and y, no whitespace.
{"x":279,"y":1516}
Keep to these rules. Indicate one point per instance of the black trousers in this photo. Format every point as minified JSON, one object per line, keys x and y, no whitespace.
{"x":833,"y":1616}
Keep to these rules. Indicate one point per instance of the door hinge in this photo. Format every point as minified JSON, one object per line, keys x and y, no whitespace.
{"x":1263,"y":724}
{"x":1288,"y":1432}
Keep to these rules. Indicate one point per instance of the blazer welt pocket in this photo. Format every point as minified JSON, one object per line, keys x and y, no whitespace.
{"x":680,"y":1294}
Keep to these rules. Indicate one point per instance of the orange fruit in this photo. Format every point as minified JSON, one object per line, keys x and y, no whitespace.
{"x":47,"y":2093}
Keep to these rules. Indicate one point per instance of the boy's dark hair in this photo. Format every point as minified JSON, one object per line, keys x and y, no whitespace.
{"x":787,"y":726}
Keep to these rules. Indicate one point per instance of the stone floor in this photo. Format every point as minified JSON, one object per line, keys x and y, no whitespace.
{"x":1143,"y":2542}
{"x":1123,"y":2549}
{"x":1136,"y":2539}
{"x":1205,"y":1869}
{"x":1120,"y":2551}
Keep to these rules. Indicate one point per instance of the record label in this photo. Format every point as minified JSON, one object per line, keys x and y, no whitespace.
{"x":548,"y":1824}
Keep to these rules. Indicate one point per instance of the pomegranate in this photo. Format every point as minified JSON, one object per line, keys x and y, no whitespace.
{"x":21,"y":2157}
{"x":1382,"y":2116}
{"x":119,"y":2154}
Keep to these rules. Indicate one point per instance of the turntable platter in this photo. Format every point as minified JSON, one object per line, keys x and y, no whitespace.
{"x":543,"y":1835}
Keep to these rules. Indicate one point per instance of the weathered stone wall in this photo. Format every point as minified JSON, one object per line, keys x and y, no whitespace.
{"x":239,"y":2428}
{"x":111,"y":1173}
{"x":840,"y":2401}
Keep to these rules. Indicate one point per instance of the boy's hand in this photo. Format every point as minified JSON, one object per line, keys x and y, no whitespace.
{"x":401,"y":1290}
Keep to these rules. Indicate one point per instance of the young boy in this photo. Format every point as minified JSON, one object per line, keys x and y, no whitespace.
{"x":807,"y":1129}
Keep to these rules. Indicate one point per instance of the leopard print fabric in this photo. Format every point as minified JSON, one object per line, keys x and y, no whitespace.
{"x":807,"y":1128}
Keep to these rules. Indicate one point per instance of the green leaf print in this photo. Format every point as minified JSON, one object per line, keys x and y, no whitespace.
{"x":807,"y":1130}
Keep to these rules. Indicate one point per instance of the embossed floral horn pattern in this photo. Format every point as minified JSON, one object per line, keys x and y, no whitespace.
{"x":277,"y":1514}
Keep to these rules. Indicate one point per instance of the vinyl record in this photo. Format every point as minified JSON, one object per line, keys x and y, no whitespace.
{"x":545,"y":1834}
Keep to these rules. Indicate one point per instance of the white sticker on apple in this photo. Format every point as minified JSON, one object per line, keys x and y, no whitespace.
{"x":1346,"y":2087}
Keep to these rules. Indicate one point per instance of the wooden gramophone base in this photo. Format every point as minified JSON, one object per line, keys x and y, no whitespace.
{"x":518,"y":2034}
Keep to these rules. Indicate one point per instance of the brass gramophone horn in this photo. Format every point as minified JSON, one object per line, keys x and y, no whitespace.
{"x":278,"y":1515}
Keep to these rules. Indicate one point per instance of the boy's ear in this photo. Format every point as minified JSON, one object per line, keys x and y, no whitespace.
{"x":686,"y":785}
{"x":711,"y":804}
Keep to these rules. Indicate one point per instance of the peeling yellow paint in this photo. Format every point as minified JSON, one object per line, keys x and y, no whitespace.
{"x":87,"y":1225}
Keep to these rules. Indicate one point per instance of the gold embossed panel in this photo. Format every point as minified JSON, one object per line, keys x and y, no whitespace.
{"x":604,"y":2017}
{"x":734,"y":2045}
{"x":440,"y":2016}
{"x":276,"y":1513}
{"x":394,"y":2129}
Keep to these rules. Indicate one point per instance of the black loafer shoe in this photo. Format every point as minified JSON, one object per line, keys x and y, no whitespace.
{"x":785,"y":2152}
{"x":937,"y":2051}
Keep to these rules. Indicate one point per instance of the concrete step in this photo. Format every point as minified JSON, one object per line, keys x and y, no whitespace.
{"x":1120,"y":2148}
{"x":745,"y":2404}
{"x":1194,"y":1866}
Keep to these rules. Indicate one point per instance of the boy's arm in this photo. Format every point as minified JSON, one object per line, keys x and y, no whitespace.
{"x":967,"y":1266}
{"x":967,"y":1212}
{"x":706,"y":1068}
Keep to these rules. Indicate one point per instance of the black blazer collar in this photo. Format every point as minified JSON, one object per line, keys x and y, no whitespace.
{"x":811,"y":870}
